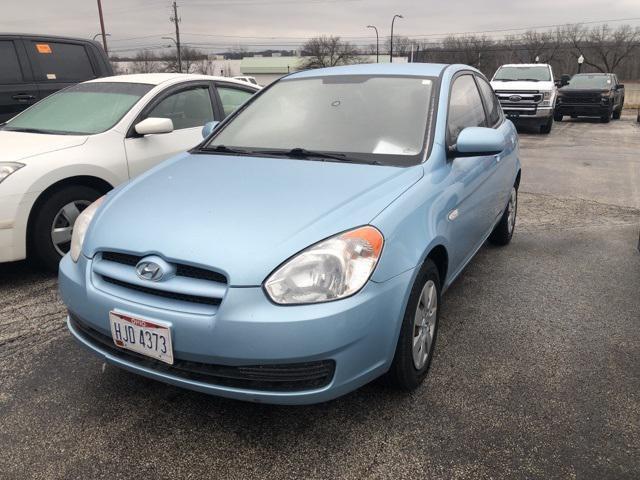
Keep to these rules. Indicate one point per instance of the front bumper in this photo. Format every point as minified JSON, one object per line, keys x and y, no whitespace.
{"x":14,"y":216}
{"x":359,"y":334}
{"x":539,"y":115}
{"x":581,"y":109}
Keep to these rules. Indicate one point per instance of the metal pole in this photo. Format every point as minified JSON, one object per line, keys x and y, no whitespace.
{"x":104,"y":37}
{"x":176,"y":20}
{"x":377,"y":43}
{"x":391,"y":42}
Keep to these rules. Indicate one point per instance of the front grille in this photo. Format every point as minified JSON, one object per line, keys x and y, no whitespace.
{"x":199,"y":290}
{"x":292,"y":377}
{"x":581,"y":99}
{"x":182,"y":269}
{"x":164,"y":293}
{"x":527,"y":103}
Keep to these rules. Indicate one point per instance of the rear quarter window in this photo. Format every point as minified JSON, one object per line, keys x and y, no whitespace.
{"x":10,"y":71}
{"x":61,"y":62}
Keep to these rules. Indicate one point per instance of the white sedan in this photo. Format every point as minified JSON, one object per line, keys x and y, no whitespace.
{"x":64,"y":152}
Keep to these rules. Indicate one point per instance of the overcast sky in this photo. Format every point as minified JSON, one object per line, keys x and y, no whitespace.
{"x":214,"y":25}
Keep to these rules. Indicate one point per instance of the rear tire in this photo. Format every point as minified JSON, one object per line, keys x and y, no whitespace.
{"x":503,"y":231}
{"x":419,"y":328}
{"x":54,"y":219}
{"x":546,"y":127}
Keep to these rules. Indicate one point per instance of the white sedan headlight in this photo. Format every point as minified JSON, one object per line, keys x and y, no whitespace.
{"x":330,"y":270}
{"x":81,"y":226}
{"x":7,"y":168}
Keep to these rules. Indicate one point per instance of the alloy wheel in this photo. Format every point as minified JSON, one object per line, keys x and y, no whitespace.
{"x":424,"y":324}
{"x":63,"y":222}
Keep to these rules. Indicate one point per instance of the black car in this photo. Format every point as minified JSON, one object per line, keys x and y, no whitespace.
{"x":590,"y":95}
{"x":34,"y":66}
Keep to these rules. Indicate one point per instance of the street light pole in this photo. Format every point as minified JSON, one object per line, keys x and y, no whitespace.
{"x":175,"y":19}
{"x":377,"y":43}
{"x":99,"y":34}
{"x":391,"y":42}
{"x":104,"y":36}
{"x":177,"y":49}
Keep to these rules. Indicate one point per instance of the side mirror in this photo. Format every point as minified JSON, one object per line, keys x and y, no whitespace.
{"x":479,"y":141}
{"x":620,"y":85}
{"x":208,"y":128}
{"x":564,"y":79}
{"x":153,"y":125}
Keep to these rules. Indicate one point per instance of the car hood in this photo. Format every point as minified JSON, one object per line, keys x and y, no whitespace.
{"x":20,"y":146}
{"x":242,"y":216}
{"x":519,"y":86}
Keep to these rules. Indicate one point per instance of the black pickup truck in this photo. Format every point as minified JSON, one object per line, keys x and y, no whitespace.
{"x":590,"y":95}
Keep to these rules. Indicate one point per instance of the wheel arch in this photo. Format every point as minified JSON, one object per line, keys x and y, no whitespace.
{"x":440,"y":257}
{"x":79,"y":180}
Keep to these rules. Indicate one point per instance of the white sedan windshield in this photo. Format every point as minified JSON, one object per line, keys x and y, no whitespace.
{"x":83,"y":109}
{"x":356,"y":114}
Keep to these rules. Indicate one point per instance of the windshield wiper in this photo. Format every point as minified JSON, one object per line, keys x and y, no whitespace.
{"x":36,"y":130}
{"x":304,"y":153}
{"x":225,"y":149}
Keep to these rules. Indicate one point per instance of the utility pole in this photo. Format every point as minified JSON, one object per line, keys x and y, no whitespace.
{"x":175,"y":19}
{"x":104,"y":36}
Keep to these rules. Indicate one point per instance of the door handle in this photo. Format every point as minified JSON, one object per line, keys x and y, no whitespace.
{"x":23,"y":97}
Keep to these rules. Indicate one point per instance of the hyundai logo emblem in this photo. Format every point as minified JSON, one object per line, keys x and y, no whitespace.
{"x":515,"y":98}
{"x":149,"y":271}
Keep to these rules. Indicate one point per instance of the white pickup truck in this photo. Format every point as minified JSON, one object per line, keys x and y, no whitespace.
{"x":527,"y":93}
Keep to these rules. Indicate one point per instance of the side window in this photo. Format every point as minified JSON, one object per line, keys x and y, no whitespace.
{"x":490,"y":100}
{"x":232,"y":98}
{"x":62,"y":62}
{"x":10,"y":71}
{"x":465,"y":107}
{"x":186,"y":108}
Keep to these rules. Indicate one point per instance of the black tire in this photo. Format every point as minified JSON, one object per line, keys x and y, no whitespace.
{"x":557,"y":117}
{"x":503,"y":231}
{"x":617,"y":114}
{"x":403,"y":373}
{"x":41,"y":242}
{"x":546,"y":127}
{"x":606,"y":118}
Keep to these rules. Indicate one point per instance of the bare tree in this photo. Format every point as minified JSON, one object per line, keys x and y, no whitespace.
{"x":330,"y":51}
{"x":401,"y":46}
{"x":145,"y":61}
{"x":189,"y":56}
{"x":602,"y":48}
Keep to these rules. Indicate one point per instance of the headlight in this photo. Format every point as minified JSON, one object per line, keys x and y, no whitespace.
{"x":7,"y":168}
{"x":546,"y":98}
{"x":81,"y":226}
{"x":330,"y":270}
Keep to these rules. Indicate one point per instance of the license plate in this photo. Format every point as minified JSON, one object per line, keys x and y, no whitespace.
{"x":144,"y":336}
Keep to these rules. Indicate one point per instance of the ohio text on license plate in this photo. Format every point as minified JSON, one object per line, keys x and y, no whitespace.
{"x":143,"y":336}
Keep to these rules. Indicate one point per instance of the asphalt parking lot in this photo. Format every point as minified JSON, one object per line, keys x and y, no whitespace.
{"x":536,"y":372}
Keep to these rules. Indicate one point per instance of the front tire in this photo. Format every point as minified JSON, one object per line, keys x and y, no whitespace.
{"x":606,"y":117}
{"x":503,"y":231}
{"x":546,"y":127}
{"x":53,"y":224}
{"x":418,"y":333}
{"x":557,"y":117}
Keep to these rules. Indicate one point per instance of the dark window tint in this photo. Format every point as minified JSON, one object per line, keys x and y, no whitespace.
{"x":490,"y":100}
{"x":187,"y":108}
{"x":232,"y":98}
{"x":9,"y":67}
{"x":465,"y":107}
{"x":62,"y":62}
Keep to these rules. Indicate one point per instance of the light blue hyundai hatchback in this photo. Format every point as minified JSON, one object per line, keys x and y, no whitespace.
{"x":301,"y":250}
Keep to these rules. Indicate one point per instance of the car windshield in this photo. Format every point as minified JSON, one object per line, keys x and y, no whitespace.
{"x":83,"y":109}
{"x":369,"y":119}
{"x":590,"y":81}
{"x":533,"y":73}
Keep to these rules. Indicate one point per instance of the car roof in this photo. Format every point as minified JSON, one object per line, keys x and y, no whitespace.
{"x":409,"y":69}
{"x":159,"y":78}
